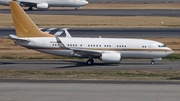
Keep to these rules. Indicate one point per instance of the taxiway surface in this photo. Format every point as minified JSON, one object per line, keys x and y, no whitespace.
{"x":88,"y":92}
{"x":135,"y":1}
{"x":104,"y":12}
{"x":81,"y":65}
{"x":121,"y":32}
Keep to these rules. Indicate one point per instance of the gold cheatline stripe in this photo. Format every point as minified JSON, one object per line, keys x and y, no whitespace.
{"x":159,"y":50}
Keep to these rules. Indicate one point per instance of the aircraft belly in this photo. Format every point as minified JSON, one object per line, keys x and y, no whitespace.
{"x":61,"y":5}
{"x":57,"y":4}
{"x":127,"y":54}
{"x":131,"y":54}
{"x":57,"y":52}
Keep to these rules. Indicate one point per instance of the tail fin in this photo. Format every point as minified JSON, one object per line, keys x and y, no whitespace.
{"x":23,"y":24}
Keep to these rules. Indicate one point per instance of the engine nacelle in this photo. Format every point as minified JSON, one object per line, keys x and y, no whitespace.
{"x":111,"y":57}
{"x":42,"y":6}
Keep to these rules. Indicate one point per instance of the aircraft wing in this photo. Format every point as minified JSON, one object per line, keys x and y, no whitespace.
{"x":78,"y":51}
{"x":86,"y":52}
{"x":27,"y":3}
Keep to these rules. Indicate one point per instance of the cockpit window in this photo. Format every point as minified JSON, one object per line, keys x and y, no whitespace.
{"x":161,"y":46}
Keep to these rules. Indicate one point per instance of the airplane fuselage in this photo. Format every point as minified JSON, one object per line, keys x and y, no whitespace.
{"x":127,"y":48}
{"x":51,"y":3}
{"x":108,"y":50}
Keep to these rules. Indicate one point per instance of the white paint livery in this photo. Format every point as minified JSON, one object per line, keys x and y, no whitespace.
{"x":109,"y":50}
{"x":46,"y":4}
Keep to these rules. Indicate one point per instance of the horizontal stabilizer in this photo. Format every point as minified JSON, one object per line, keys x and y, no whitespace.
{"x":14,"y":37}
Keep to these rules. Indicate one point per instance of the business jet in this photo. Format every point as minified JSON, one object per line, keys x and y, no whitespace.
{"x":108,"y":50}
{"x":46,"y":4}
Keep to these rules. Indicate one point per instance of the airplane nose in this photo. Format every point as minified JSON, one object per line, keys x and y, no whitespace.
{"x":170,"y":51}
{"x":86,"y":2}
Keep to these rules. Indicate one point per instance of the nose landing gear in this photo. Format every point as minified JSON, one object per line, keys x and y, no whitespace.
{"x":152,"y":62}
{"x":77,"y":8}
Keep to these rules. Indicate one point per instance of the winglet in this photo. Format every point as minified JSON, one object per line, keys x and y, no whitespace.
{"x":60,"y":44}
{"x":66,"y":32}
{"x":23,"y":24}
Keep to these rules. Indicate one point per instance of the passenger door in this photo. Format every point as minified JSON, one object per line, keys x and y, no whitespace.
{"x":150,"y":47}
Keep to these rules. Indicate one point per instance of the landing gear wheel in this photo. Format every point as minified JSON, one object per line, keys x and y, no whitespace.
{"x":30,"y":8}
{"x":152,"y":62}
{"x":90,"y":62}
{"x":77,"y":8}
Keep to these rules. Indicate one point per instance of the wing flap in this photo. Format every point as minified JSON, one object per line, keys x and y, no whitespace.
{"x":79,"y":51}
{"x":28,"y":3}
{"x":86,"y":53}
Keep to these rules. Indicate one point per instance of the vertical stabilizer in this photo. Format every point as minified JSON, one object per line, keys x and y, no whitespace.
{"x":23,"y":24}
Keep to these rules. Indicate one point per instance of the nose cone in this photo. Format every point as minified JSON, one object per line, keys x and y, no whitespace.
{"x":170,"y":51}
{"x":86,"y":2}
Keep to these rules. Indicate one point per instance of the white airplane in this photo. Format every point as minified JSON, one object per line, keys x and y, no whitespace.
{"x":108,"y":50}
{"x":46,"y":4}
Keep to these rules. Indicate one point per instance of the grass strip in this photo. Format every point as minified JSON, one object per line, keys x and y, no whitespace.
{"x":78,"y":21}
{"x":172,"y":57}
{"x":92,"y":74}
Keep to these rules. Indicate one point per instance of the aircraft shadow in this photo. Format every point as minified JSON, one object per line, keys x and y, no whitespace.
{"x":6,"y":63}
{"x":40,"y":63}
{"x":76,"y":64}
{"x":7,"y":9}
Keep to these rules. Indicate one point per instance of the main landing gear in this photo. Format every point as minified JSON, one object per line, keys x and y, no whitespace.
{"x":90,"y":61}
{"x":30,"y":8}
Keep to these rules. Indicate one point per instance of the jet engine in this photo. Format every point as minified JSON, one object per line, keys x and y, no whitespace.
{"x":111,"y":57}
{"x":42,"y":6}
